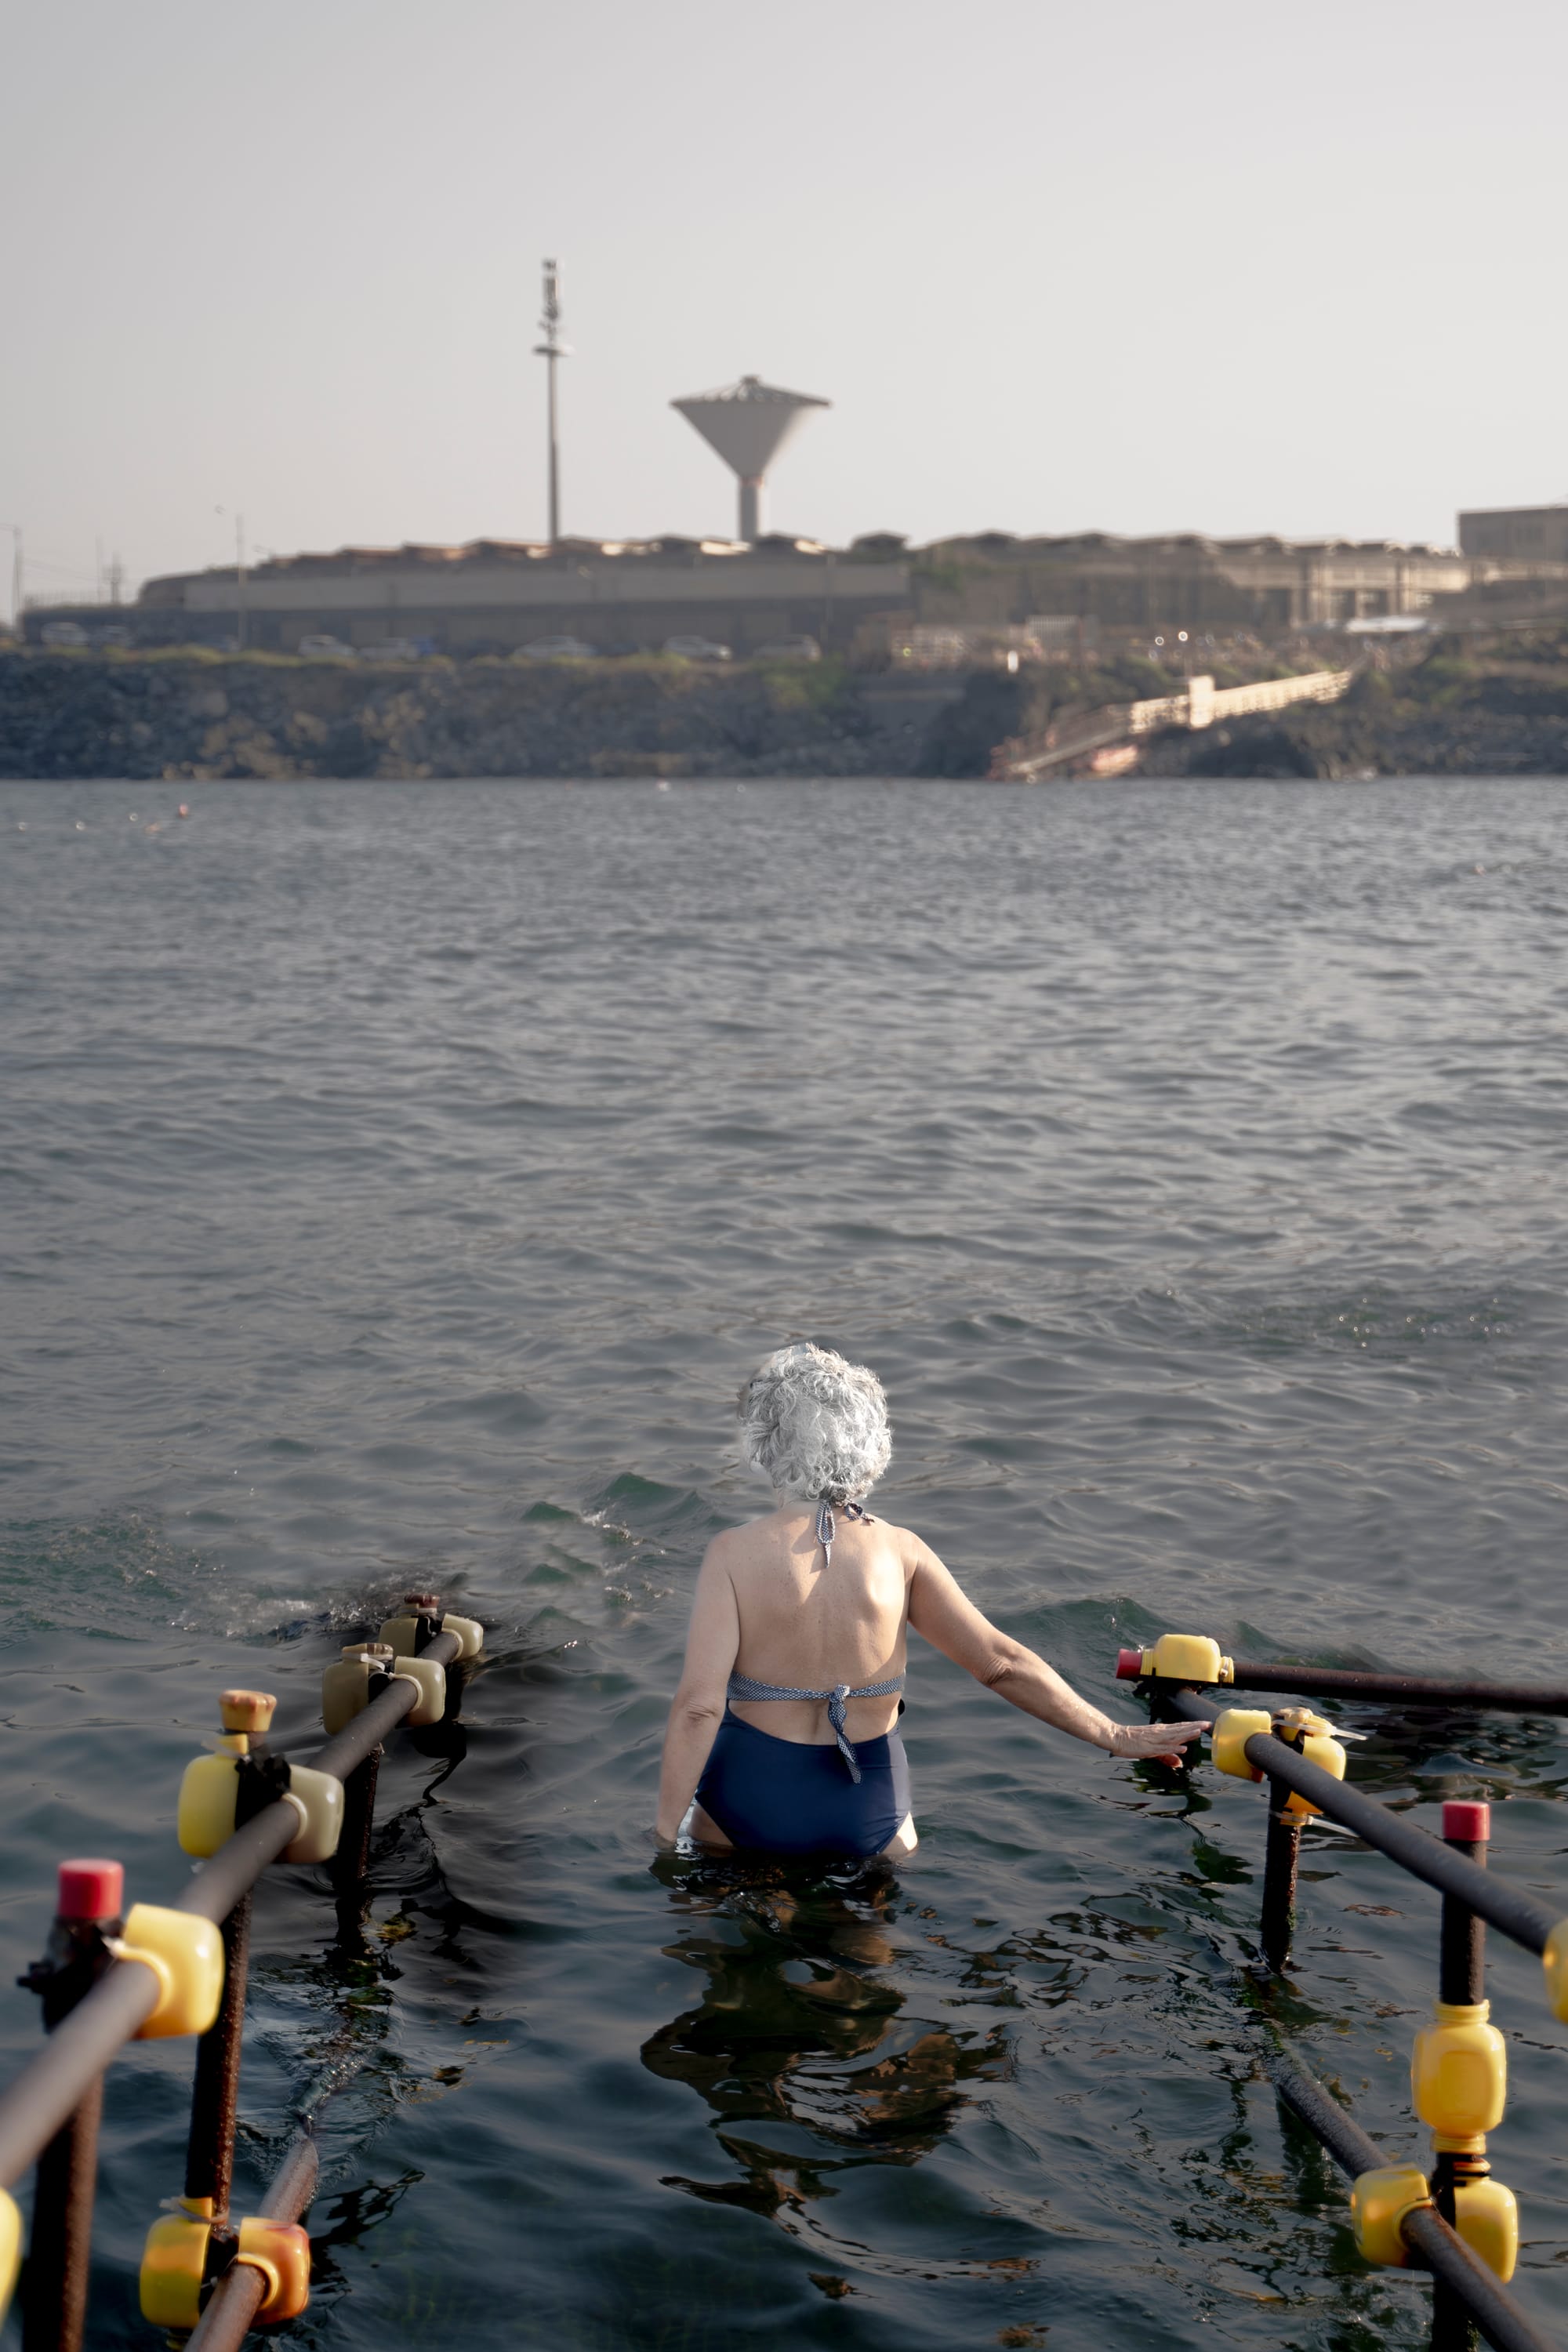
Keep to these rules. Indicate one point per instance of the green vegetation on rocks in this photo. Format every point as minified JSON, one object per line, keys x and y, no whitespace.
{"x":194,"y":716}
{"x":1473,"y":706}
{"x":1497,"y":704}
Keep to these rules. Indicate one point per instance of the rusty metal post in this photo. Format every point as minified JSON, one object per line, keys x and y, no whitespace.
{"x":230,"y":2312}
{"x":1281,"y":1855}
{"x":60,"y":2254}
{"x":214,"y":2095}
{"x":1461,"y":1979}
{"x":350,"y":1863}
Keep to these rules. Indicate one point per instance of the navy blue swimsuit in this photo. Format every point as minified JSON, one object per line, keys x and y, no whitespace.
{"x":788,"y":1796}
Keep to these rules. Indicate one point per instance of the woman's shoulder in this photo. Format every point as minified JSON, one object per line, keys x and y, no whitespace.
{"x":752,"y":1538}
{"x":731,"y":1546}
{"x":904,"y":1541}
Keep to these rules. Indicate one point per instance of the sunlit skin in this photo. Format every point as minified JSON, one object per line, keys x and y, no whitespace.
{"x":769,"y":1605}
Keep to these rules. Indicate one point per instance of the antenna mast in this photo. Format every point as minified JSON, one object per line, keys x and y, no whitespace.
{"x":551,"y":350}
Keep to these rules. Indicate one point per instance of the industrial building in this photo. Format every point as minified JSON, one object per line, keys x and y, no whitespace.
{"x":496,"y":596}
{"x":1270,"y":585}
{"x":1522,"y":534}
{"x":869,"y":601}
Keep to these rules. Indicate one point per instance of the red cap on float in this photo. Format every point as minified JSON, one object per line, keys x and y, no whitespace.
{"x":92,"y":1890}
{"x":1129,"y":1665}
{"x":1472,"y":1822}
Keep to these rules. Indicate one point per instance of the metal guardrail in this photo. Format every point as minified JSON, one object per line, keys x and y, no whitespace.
{"x":1447,"y":2223}
{"x":1421,"y":1690}
{"x":236,"y":2300}
{"x":1436,"y":2243}
{"x":98,"y":1994}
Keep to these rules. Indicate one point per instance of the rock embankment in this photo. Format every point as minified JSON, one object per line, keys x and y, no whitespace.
{"x":1493,"y":706}
{"x":193,"y":716}
{"x":1498,"y":709}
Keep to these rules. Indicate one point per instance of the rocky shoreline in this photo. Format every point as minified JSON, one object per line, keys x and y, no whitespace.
{"x":195,"y":718}
{"x":1500,"y":708}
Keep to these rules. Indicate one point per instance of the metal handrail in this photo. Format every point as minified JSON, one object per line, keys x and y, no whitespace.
{"x":235,"y":2301}
{"x":1424,"y":1690}
{"x":1507,"y":1908}
{"x":1441,"y":2248}
{"x":1464,"y":2287}
{"x":35,"y":2104}
{"x":49,"y":2112}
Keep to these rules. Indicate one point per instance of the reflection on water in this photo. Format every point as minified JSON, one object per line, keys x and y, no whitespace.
{"x":795,"y":2027}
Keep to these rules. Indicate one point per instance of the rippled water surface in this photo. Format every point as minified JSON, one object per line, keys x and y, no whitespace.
{"x":397,"y":1182}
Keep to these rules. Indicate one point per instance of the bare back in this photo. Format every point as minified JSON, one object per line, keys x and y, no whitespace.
{"x":770,"y":1607}
{"x":811,"y":1623}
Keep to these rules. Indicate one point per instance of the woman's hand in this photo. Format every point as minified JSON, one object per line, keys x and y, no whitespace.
{"x":1160,"y":1743}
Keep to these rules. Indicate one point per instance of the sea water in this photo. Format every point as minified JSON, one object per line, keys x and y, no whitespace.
{"x":398,"y":1181}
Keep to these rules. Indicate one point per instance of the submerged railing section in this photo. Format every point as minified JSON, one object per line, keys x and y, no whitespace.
{"x":1454,"y":2221}
{"x":110,"y":1977}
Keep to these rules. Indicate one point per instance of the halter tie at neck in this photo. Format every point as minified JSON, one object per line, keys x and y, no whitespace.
{"x":827,"y":1527}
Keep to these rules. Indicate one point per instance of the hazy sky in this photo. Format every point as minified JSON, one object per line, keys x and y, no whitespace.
{"x":1116,"y":265}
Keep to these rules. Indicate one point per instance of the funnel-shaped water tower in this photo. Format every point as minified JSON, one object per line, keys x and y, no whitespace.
{"x":748,"y":423}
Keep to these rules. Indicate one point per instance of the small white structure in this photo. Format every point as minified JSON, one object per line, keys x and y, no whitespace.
{"x":748,"y":423}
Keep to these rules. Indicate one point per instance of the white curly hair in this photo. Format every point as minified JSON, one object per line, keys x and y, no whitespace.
{"x":815,"y":1425}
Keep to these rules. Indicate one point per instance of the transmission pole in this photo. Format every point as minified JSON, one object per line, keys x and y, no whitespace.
{"x":549,"y":350}
{"x":240,"y":632}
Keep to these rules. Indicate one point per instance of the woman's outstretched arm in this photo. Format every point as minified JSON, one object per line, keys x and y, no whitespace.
{"x":711,"y":1644}
{"x":951,"y":1623}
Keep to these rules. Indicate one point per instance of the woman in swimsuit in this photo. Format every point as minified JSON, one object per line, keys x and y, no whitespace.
{"x":784,"y":1728}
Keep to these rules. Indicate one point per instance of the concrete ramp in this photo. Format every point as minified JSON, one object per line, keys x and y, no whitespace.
{"x":1027,"y":758}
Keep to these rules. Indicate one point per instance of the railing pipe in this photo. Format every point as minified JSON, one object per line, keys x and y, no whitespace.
{"x":1507,"y":1908}
{"x":39,"y":2099}
{"x":1425,"y":2231}
{"x":1428,"y":1690}
{"x":235,"y":2301}
{"x":221,"y":1881}
{"x":375,"y":1722}
{"x":1518,"y":1915}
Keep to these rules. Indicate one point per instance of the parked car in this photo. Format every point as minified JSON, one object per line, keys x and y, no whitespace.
{"x":63,"y":632}
{"x":325,"y":649}
{"x":804,"y":649}
{"x":391,"y":649}
{"x":697,"y":649}
{"x":558,"y":649}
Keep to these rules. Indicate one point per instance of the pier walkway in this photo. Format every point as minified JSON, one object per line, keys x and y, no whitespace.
{"x":1104,"y":741}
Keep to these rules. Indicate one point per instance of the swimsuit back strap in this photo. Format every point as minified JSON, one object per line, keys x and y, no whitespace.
{"x":745,"y":1687}
{"x":827,"y":1527}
